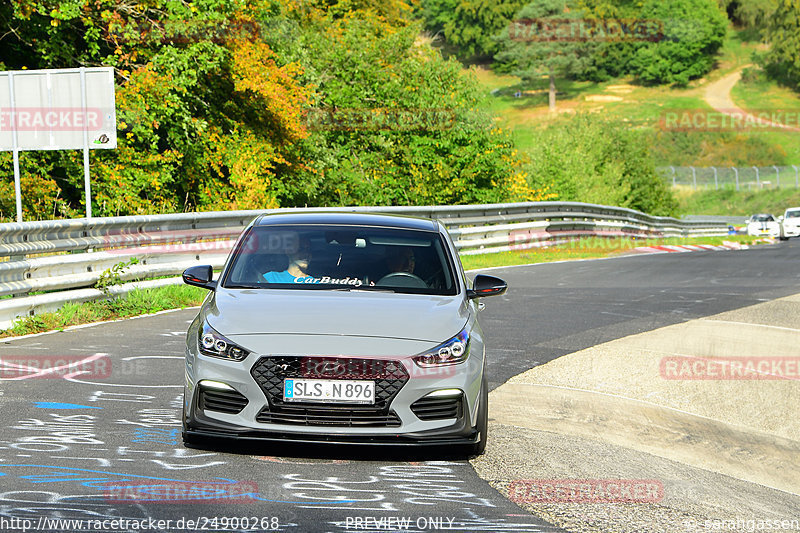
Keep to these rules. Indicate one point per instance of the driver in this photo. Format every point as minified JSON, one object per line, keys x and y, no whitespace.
{"x":400,"y":259}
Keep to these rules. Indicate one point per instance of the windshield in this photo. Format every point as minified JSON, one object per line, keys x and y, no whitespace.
{"x":792,"y":214}
{"x":762,"y":218}
{"x":342,"y":258}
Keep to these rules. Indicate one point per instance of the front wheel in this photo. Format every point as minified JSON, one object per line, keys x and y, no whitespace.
{"x":482,"y":426}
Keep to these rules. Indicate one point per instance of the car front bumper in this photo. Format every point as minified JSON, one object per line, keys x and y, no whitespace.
{"x":791,"y":231}
{"x":262,"y":414}
{"x":198,"y":425}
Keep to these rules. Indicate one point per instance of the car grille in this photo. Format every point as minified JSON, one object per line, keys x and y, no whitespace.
{"x":389,"y":378}
{"x":224,"y":401}
{"x":431,"y":408}
{"x":328,"y":416}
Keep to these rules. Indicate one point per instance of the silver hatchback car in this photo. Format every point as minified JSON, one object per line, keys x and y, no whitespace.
{"x":339,"y":328}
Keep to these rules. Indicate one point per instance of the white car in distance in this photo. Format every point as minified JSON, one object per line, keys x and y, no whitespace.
{"x":763,"y":225}
{"x":790,"y":223}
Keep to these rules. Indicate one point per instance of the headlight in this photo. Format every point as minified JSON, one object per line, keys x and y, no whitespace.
{"x":452,"y":352}
{"x":213,"y":344}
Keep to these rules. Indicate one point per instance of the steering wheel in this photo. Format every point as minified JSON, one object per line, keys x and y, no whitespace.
{"x":403,"y":279}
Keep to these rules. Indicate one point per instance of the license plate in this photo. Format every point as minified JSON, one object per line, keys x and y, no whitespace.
{"x":329,"y":391}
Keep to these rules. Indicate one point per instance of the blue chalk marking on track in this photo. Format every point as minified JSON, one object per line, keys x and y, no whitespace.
{"x":56,"y":405}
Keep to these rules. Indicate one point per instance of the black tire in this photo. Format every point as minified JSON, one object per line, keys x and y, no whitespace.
{"x":483,"y":420}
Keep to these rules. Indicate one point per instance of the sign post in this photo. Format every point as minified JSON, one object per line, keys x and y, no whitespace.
{"x":87,"y":187}
{"x":57,"y":109}
{"x":15,"y":149}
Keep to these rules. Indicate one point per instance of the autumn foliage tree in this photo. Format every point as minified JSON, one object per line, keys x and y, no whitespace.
{"x":214,"y":99}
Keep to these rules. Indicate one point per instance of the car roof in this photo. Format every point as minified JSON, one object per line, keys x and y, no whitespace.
{"x":347,"y":219}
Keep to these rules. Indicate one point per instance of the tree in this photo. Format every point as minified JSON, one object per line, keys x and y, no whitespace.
{"x":397,"y":124}
{"x":693,"y":33}
{"x":207,"y":113}
{"x":782,"y":61}
{"x":469,"y":25}
{"x":542,"y":42}
{"x":749,"y":13}
{"x":215,"y":100}
{"x":586,"y":158}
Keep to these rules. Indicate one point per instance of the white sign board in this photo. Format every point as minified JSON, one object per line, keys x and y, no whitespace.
{"x":57,"y":109}
{"x":50,"y":109}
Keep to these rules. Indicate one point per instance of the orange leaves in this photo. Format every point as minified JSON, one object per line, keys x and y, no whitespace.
{"x":256,"y":73}
{"x":243,"y":166}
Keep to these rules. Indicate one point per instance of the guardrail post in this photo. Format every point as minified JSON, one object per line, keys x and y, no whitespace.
{"x":758,"y":180}
{"x":777,"y":176}
{"x":736,"y":171}
{"x":694,"y":177}
{"x":716,"y":183}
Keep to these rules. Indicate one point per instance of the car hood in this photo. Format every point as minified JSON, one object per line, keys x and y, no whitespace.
{"x":319,"y":312}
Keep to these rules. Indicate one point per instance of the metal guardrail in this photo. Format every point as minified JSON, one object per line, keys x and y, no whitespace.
{"x":63,"y":259}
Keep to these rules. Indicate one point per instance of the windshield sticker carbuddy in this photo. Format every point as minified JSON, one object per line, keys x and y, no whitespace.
{"x":334,"y":281}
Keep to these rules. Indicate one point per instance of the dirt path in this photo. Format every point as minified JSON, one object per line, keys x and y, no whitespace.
{"x":718,"y":96}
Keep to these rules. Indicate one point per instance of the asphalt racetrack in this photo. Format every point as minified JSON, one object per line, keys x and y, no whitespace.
{"x":78,"y":447}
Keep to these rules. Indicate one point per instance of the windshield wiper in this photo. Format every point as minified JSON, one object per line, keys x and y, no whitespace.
{"x":363,"y":289}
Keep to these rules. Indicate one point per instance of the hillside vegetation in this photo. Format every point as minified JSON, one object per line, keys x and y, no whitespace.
{"x":731,"y":202}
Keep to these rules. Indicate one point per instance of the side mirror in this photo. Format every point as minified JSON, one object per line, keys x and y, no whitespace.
{"x":486,"y":286}
{"x":780,"y":218}
{"x":200,"y":276}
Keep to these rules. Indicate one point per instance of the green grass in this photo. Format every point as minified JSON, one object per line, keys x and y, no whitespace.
{"x":729,"y":202}
{"x":137,"y":302}
{"x":762,"y":94}
{"x":588,"y":248}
